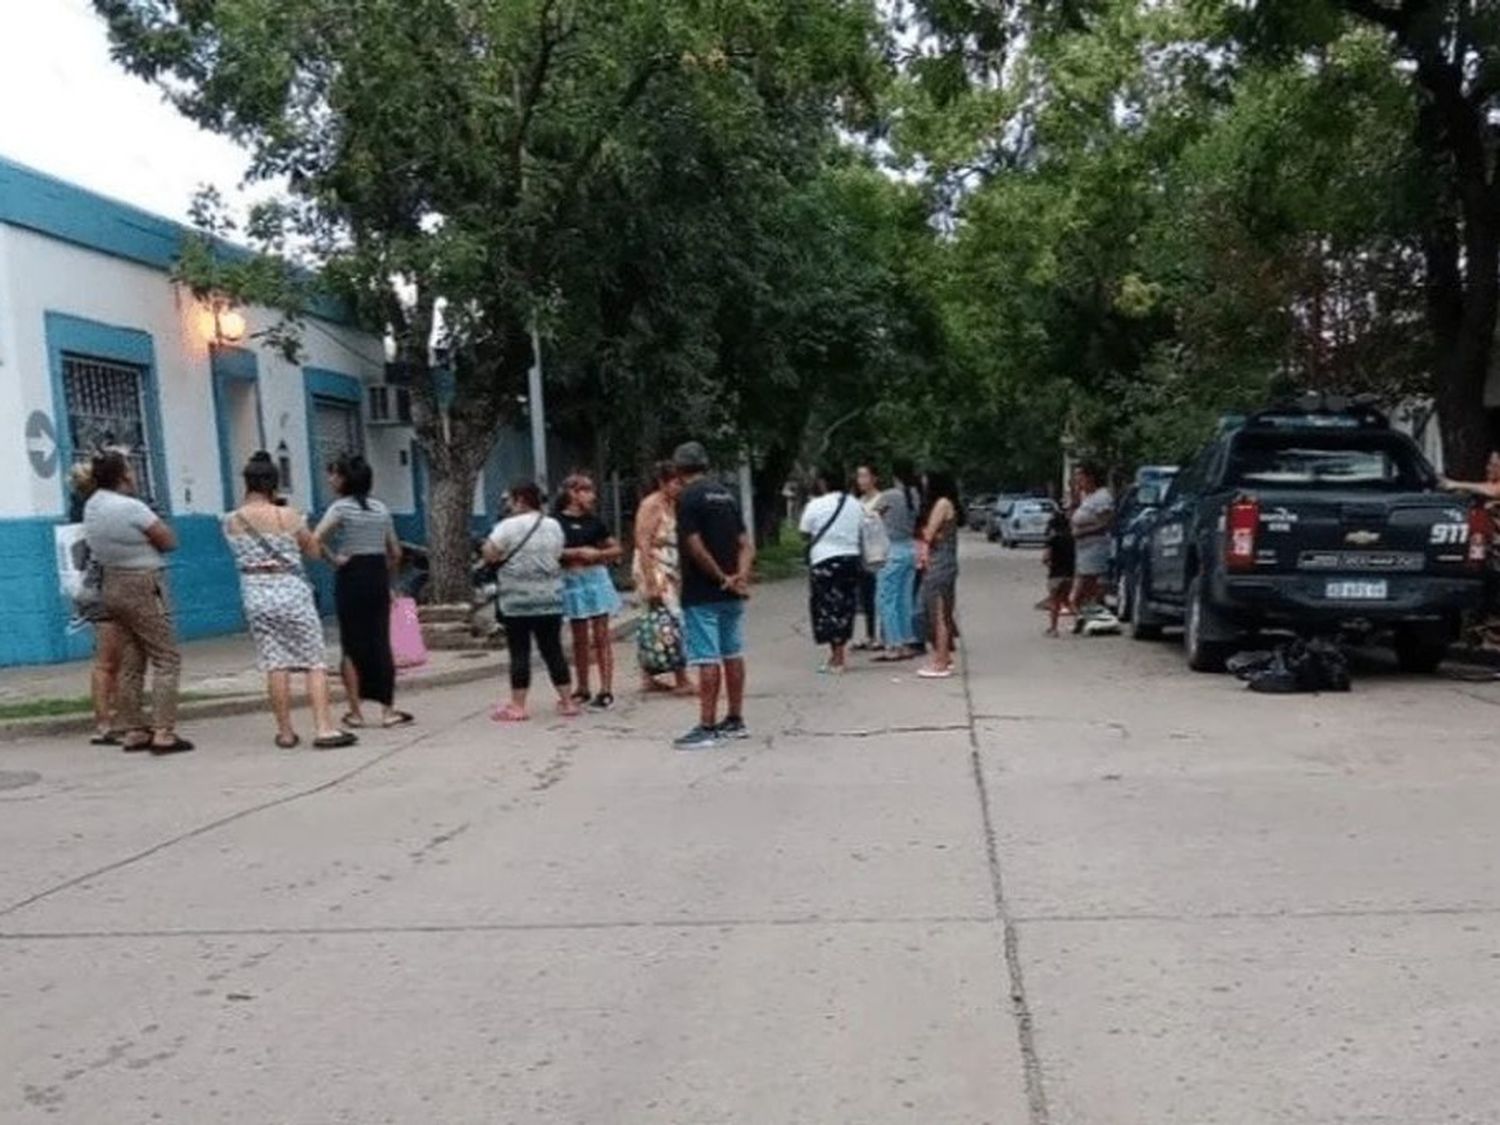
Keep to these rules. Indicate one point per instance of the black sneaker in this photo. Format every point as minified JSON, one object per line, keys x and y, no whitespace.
{"x":699,"y":738}
{"x":602,"y":702}
{"x":733,"y":727}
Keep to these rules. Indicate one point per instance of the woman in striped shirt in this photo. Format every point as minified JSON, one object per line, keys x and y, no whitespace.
{"x":358,"y":532}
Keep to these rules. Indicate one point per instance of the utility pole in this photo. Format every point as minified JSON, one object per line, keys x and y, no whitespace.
{"x":538,"y":413}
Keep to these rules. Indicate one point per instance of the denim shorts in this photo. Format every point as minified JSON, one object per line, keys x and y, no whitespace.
{"x":713,"y":632}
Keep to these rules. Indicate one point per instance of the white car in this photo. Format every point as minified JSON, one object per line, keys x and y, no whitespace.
{"x":1027,"y":522}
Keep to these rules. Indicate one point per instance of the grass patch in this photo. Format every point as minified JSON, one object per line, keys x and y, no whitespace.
{"x":782,"y":558}
{"x":78,"y":705}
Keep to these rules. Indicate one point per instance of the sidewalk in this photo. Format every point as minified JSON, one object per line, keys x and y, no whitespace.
{"x":219,"y":677}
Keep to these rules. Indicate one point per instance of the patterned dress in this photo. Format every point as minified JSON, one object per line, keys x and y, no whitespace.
{"x":279,"y":604}
{"x":665,"y":561}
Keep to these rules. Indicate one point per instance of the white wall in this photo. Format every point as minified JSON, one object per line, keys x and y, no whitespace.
{"x":40,"y":275}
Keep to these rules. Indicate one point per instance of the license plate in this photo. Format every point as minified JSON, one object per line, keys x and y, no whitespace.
{"x":1357,"y":591}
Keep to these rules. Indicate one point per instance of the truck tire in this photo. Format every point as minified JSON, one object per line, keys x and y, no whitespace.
{"x":1124,"y":603}
{"x":1419,"y":649}
{"x":1144,"y":625}
{"x":1202,"y":655}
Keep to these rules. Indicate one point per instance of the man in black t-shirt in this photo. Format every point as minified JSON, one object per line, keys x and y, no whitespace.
{"x":716,"y":554}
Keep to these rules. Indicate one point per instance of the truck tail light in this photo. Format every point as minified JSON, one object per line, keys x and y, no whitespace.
{"x":1479,"y":537}
{"x":1242,"y":526}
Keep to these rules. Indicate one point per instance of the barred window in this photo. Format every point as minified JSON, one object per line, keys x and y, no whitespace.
{"x":106,"y":407}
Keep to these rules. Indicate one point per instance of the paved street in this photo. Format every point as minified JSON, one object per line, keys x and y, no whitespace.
{"x":1079,"y":885}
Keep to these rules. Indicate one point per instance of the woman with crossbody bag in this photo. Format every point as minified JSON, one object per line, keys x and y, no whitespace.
{"x":832,"y":522}
{"x":527,"y":549}
{"x":268,"y":541}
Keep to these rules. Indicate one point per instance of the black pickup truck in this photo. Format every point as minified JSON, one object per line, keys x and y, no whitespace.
{"x":1310,"y":520}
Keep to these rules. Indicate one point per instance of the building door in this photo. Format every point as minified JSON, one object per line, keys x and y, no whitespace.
{"x":336,"y":432}
{"x":242,"y":421}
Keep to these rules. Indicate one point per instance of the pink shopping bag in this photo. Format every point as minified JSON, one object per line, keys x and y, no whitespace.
{"x":407,"y":647}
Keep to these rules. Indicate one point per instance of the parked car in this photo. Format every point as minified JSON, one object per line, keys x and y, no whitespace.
{"x":977,"y":511}
{"x":1026,"y":521}
{"x":1000,"y":508}
{"x":1132,"y":518}
{"x":1312,"y":519}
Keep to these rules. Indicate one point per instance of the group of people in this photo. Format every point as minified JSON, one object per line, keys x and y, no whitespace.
{"x":891,"y":553}
{"x":693,"y":557}
{"x":126,"y":599}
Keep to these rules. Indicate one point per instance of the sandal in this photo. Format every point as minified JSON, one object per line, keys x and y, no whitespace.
{"x":930,"y":673}
{"x":510,"y":713}
{"x":580,"y":697}
{"x":105,"y":738}
{"x":178,"y":745}
{"x":351,"y":720}
{"x":290,"y":742}
{"x":568,"y":709}
{"x":397,"y":719}
{"x":135,"y":741}
{"x":334,"y":741}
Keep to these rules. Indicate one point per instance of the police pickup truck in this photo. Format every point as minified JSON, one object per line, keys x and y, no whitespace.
{"x":1311,"y":519}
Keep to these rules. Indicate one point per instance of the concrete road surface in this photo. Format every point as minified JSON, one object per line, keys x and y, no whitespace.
{"x":1077,"y":885}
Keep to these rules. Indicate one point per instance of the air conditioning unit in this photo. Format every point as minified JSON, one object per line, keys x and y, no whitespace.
{"x":389,"y":405}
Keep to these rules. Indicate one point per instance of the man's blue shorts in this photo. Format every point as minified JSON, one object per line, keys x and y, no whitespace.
{"x":713,"y":632}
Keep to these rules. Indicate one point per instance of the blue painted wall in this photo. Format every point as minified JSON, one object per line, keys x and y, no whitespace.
{"x":204,"y":584}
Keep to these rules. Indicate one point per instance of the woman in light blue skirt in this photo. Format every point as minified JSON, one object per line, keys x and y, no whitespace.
{"x":589,"y":596}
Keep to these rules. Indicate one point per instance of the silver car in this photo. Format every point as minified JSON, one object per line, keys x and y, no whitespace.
{"x":1027,"y":522}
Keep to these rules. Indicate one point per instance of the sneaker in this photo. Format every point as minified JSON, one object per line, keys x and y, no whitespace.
{"x":699,"y":738}
{"x":602,"y":702}
{"x":733,"y":727}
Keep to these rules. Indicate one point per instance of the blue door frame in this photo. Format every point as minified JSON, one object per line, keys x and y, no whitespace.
{"x":231,"y":365}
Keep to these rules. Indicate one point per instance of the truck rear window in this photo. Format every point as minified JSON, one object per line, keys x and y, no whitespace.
{"x":1327,"y":460}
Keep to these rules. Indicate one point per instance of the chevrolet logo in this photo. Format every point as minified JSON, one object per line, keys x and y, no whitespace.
{"x":1362,"y":538}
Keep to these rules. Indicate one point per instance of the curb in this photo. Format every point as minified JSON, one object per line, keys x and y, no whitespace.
{"x":483,"y":667}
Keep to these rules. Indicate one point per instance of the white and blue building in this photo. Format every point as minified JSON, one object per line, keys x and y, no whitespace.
{"x":99,"y":346}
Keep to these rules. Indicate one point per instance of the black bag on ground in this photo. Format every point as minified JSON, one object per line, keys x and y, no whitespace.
{"x":1297,"y":666}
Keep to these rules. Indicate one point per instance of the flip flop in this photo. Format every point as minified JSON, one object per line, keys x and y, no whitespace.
{"x":350,"y":721}
{"x":105,"y":738}
{"x":334,"y":741}
{"x":289,"y":743}
{"x":178,"y":745}
{"x":832,"y":670}
{"x":510,"y":713}
{"x":934,"y":673}
{"x":569,"y":710}
{"x":397,"y":719}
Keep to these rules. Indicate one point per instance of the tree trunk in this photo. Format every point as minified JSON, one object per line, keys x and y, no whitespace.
{"x":450,"y":486}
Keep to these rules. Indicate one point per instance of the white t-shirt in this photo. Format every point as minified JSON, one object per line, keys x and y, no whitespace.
{"x":530,"y":582}
{"x":842,"y":538}
{"x":115,"y":526}
{"x":1091,"y":509}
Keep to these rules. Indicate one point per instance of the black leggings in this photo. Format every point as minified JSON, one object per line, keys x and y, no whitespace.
{"x":867,"y":601}
{"x":362,"y":597}
{"x":548,"y":633}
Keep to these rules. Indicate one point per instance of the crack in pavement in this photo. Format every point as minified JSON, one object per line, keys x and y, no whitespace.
{"x":504,"y":927}
{"x":1036,"y":1094}
{"x":941,"y":728}
{"x":1263,"y":915}
{"x":241,"y":814}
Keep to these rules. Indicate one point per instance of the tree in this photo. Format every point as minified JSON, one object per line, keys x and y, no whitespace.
{"x":439,"y":156}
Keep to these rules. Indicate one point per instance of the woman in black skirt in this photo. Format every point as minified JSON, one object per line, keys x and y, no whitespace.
{"x":358,"y":533}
